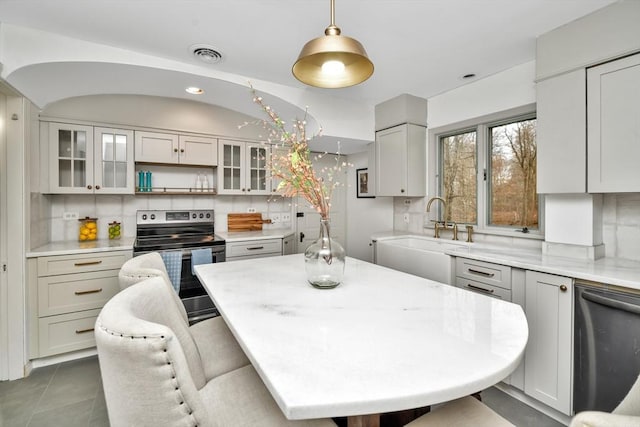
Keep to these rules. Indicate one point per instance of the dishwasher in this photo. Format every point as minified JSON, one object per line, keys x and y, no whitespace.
{"x":606,"y":345}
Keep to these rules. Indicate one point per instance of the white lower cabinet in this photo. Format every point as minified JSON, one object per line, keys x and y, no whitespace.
{"x":250,"y":249}
{"x":545,"y":372}
{"x":548,"y":355}
{"x":289,"y":245}
{"x":66,"y":293}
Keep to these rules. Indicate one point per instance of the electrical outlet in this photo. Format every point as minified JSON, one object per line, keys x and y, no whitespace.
{"x":275,"y":218}
{"x":286,"y":217}
{"x":407,"y":202}
{"x":405,"y":217}
{"x":69,"y":216}
{"x":251,"y":210}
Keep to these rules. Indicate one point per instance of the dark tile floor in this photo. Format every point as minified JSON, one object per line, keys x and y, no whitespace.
{"x":70,"y":394}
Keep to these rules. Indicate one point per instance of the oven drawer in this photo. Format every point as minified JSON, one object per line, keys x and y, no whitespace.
{"x":65,"y":264}
{"x":67,"y":332}
{"x":254,"y":248}
{"x":483,"y":288}
{"x":484,"y":272}
{"x":75,"y":292}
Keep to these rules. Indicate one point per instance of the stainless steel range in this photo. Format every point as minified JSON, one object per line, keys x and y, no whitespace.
{"x":179,"y":233}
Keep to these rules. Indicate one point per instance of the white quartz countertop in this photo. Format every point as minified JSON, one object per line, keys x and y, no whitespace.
{"x":381,"y":341}
{"x":610,"y":271}
{"x":76,"y":247}
{"x":243,"y":236}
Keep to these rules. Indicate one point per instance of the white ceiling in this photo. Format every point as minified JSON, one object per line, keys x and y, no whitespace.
{"x":420,"y":47}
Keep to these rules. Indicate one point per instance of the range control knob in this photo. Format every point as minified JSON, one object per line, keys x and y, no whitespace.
{"x":144,"y":217}
{"x":153,"y":216}
{"x":201,"y":216}
{"x":208,"y":215}
{"x":194,"y":216}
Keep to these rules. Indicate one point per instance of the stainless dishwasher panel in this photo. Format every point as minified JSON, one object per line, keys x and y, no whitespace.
{"x":606,"y":346}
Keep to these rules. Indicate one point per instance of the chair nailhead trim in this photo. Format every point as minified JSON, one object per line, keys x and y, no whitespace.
{"x":173,"y":376}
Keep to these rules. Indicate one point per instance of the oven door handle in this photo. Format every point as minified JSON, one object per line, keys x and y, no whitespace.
{"x":609,"y":302}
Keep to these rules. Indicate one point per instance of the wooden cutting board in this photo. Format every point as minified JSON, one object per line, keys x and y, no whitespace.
{"x":246,"y":221}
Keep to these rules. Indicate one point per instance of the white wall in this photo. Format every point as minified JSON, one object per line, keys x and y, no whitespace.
{"x":511,"y":88}
{"x":365,"y":216}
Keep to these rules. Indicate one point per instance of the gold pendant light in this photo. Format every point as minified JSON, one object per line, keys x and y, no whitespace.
{"x":333,"y":61}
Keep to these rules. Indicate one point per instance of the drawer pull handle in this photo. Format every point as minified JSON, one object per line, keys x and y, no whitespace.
{"x":92,"y":291}
{"x":255,"y":248}
{"x":83,"y":331}
{"x":81,"y":264}
{"x":479,"y":289}
{"x":481,"y":273}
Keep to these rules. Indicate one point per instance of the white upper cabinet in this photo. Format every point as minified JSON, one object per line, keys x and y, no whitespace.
{"x":88,"y":160}
{"x":401,"y":161}
{"x":198,"y":150}
{"x":113,"y":170}
{"x":561,"y":134}
{"x":243,"y":168}
{"x":613,"y":118}
{"x":166,"y":148}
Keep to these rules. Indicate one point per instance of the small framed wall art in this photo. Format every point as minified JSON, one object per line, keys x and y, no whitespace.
{"x":363,"y":187}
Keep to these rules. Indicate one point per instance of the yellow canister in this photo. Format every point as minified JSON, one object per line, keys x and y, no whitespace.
{"x":88,"y":229}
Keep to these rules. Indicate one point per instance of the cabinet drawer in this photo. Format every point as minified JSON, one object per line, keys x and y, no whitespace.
{"x":484,"y":272}
{"x":483,"y":288}
{"x":74,"y":292}
{"x":65,"y":264}
{"x":254,"y":247}
{"x":67,"y":332}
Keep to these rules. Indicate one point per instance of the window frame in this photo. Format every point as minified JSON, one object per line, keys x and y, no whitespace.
{"x":481,"y":125}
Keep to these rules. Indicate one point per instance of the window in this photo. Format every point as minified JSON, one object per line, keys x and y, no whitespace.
{"x":459,"y":184}
{"x":487,"y":172}
{"x":513,"y":201}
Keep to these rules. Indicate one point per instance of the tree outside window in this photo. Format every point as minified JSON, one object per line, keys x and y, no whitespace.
{"x":459,"y":186}
{"x":510,"y":199}
{"x":514,"y":202}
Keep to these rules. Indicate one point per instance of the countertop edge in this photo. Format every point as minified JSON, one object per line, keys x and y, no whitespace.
{"x":75,"y":248}
{"x":608,"y":271}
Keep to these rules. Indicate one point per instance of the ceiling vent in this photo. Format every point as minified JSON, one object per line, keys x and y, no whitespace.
{"x":206,"y":53}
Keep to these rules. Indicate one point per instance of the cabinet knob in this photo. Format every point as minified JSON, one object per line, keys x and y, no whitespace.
{"x":175,"y":150}
{"x":402,"y":190}
{"x":182,"y":150}
{"x":248,"y":189}
{"x":89,"y":187}
{"x":563,"y":288}
{"x":97,"y":187}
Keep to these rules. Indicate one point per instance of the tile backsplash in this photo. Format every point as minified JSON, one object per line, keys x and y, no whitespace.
{"x":620,"y":223}
{"x":50,"y":209}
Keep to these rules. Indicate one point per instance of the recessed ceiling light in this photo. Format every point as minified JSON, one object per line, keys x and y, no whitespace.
{"x":194,"y":90}
{"x":469,"y":76}
{"x":206,"y":53}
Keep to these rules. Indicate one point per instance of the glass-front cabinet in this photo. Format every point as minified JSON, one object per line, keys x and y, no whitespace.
{"x":84,"y":159}
{"x":113,"y":170}
{"x":243,"y":168}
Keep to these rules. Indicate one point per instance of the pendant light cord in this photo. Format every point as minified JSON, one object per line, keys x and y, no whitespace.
{"x":333,"y":13}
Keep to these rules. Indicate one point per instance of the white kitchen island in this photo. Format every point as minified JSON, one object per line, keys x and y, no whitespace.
{"x":382,"y":341}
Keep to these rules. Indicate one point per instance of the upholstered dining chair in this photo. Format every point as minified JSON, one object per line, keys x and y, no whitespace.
{"x":626,"y":414}
{"x":465,"y":412}
{"x":212,"y":336}
{"x":152,"y":372}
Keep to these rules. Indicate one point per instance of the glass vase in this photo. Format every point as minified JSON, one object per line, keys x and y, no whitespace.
{"x":324,"y":260}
